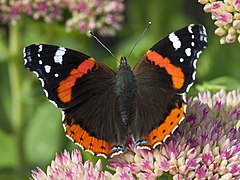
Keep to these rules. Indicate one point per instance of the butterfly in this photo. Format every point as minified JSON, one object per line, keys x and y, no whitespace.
{"x":102,"y":108}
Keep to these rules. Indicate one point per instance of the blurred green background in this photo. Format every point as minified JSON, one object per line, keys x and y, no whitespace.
{"x":30,"y":126}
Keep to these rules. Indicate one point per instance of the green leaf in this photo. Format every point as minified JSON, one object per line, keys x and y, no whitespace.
{"x":216,"y":84}
{"x":43,"y":135}
{"x":8,"y":150}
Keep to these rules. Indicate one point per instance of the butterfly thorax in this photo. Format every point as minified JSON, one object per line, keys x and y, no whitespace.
{"x":125,"y":88}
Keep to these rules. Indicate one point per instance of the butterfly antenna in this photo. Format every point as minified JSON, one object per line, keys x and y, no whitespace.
{"x":91,"y":33}
{"x":145,"y":30}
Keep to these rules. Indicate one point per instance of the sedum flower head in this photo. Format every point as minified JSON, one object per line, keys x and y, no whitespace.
{"x":102,"y":16}
{"x":226,"y":15}
{"x":67,"y":166}
{"x":206,"y":144}
{"x":71,"y":167}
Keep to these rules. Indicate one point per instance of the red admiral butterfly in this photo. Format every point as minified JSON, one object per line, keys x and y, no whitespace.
{"x":101,"y":108}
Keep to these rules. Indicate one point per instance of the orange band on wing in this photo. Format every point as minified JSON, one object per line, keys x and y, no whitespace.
{"x":82,"y":137}
{"x":159,"y":134}
{"x":65,"y":86}
{"x":174,"y":71}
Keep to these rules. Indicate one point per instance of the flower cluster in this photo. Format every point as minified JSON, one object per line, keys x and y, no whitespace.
{"x":206,"y":144}
{"x":102,"y":16}
{"x":71,"y":167}
{"x":227,"y":18}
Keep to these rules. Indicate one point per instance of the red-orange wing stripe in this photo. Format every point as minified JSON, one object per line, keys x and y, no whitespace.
{"x":65,"y":86}
{"x":82,"y":138}
{"x":158,"y":135}
{"x":174,"y":71}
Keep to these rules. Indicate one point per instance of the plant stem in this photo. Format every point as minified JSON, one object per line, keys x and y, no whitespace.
{"x":15,"y":85}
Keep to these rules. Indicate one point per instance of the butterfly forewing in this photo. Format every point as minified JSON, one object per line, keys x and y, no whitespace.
{"x":182,"y":49}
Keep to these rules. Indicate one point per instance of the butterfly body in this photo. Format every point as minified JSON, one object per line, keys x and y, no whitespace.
{"x":101,"y":108}
{"x":125,"y":89}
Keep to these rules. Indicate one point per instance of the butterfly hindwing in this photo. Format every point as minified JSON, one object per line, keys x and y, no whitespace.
{"x":80,"y":86}
{"x":163,"y":76}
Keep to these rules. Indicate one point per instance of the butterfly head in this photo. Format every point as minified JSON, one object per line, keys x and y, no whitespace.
{"x":123,"y":64}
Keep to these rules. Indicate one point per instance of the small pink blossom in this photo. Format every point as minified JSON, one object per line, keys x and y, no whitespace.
{"x":225,"y":18}
{"x":226,"y":15}
{"x":66,"y":166}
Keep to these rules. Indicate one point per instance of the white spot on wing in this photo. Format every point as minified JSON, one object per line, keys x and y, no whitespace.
{"x":35,"y":72}
{"x":24,"y":52}
{"x":24,"y":56}
{"x":114,"y":154}
{"x":189,"y":86}
{"x":47,"y":68}
{"x":194,"y":75}
{"x":184,"y":97}
{"x":87,"y":150}
{"x":143,"y":147}
{"x":63,"y":117}
{"x":166,"y":138}
{"x":181,"y":120}
{"x":58,"y":58}
{"x":195,"y":63}
{"x":204,"y":30}
{"x":188,"y":52}
{"x":56,"y":75}
{"x":40,"y":61}
{"x":174,"y":129}
{"x":181,"y":59}
{"x":46,"y":93}
{"x":53,"y":103}
{"x":175,"y":40}
{"x":205,"y":39}
{"x":40,"y":47}
{"x":155,"y":145}
{"x":190,"y":29}
{"x":42,"y":82}
{"x":192,"y":43}
{"x":198,"y":53}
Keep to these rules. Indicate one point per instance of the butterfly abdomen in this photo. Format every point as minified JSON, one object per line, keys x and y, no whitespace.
{"x":125,"y":89}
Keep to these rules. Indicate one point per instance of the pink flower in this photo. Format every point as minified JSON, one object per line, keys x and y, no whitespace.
{"x":224,"y":18}
{"x":102,"y":16}
{"x":71,"y":167}
{"x":226,"y":15}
